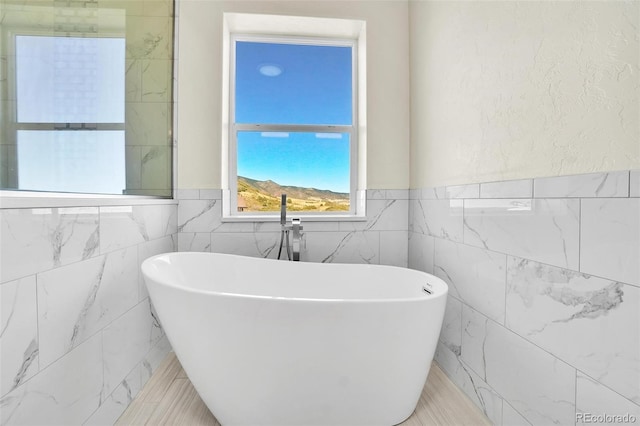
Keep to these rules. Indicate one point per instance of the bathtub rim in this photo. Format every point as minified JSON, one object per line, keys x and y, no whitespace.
{"x":423,"y":297}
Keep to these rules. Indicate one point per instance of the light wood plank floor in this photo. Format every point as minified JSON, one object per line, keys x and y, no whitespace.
{"x":168,"y":398}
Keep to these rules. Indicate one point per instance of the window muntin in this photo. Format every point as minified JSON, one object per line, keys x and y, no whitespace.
{"x":293,"y":109}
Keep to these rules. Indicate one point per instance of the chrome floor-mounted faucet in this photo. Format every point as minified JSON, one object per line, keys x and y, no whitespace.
{"x":285,"y":229}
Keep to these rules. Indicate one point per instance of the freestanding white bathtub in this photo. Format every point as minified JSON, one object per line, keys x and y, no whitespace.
{"x":269,"y":342}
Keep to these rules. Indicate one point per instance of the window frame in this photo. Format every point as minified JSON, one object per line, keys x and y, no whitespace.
{"x":297,"y":29}
{"x":293,"y":128}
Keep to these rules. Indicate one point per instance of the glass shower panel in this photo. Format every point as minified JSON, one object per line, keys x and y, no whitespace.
{"x":86,"y":96}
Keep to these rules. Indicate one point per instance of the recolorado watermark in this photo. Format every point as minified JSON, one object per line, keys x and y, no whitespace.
{"x":605,"y":418}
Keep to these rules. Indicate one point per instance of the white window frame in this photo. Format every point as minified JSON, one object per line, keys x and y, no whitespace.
{"x":319,"y":32}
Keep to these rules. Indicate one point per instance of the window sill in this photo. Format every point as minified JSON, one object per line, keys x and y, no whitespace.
{"x":303,"y":218}
{"x":28,"y":199}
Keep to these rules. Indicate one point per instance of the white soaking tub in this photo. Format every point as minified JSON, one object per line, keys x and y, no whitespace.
{"x":269,"y":342}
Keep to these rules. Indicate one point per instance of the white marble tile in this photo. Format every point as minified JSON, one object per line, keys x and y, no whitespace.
{"x":149,"y":37}
{"x":147,"y":124}
{"x":194,"y":241}
{"x":437,"y":193}
{"x":125,"y":226}
{"x":421,"y":252}
{"x":156,"y":80}
{"x":451,"y":332}
{"x":158,"y":8}
{"x":442,"y":218}
{"x":154,"y":358}
{"x":463,"y":191}
{"x":589,"y":322}
{"x":507,"y":189}
{"x":545,"y":230}
{"x":65,"y":393}
{"x":610,"y":239}
{"x":474,"y":275}
{"x":155,"y":170}
{"x":612,"y":184}
{"x":387,"y":215}
{"x":148,"y":249}
{"x":248,"y":244}
{"x":394,"y":248}
{"x":376,"y":194}
{"x":199,"y":215}
{"x":634,"y":183}
{"x":417,"y":218}
{"x":35,"y":240}
{"x":535,"y":383}
{"x":476,"y":389}
{"x":115,"y":404}
{"x":125,"y":343}
{"x":382,"y":215}
{"x":474,"y":335}
{"x":397,"y":194}
{"x":133,"y":80}
{"x":342,"y":247}
{"x":77,"y":300}
{"x":594,"y":402}
{"x":19,"y":336}
{"x":133,"y":163}
{"x":510,"y":417}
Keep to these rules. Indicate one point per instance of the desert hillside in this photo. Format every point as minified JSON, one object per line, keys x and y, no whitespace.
{"x":255,"y":195}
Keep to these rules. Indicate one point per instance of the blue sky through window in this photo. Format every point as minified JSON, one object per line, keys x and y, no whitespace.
{"x":294,"y":84}
{"x":310,"y":160}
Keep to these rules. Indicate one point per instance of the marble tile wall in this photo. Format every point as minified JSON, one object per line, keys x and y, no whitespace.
{"x":380,"y":239}
{"x":543,"y":316}
{"x":78,"y":337}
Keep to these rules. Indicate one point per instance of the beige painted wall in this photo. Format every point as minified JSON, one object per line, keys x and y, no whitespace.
{"x":199,"y":84}
{"x":508,"y":90}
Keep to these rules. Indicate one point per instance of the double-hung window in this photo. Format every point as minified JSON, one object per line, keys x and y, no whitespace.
{"x":293,"y":125}
{"x":70,"y":129}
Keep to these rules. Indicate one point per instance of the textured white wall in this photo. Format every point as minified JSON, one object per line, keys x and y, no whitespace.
{"x":508,"y":90}
{"x":200,"y":84}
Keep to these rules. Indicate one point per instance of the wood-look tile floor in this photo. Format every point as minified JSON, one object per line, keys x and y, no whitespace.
{"x":168,"y":398}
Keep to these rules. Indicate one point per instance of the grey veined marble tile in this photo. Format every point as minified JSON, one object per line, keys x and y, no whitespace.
{"x":589,"y":322}
{"x":545,"y":230}
{"x":474,"y":275}
{"x":507,"y":189}
{"x":65,"y":393}
{"x":612,"y":184}
{"x":538,"y":385}
{"x":77,"y":300}
{"x":35,"y":240}
{"x":610,"y":239}
{"x":19,"y":336}
{"x":594,"y":399}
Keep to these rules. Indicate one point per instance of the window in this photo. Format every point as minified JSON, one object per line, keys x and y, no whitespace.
{"x":70,"y":114}
{"x":293,"y":124}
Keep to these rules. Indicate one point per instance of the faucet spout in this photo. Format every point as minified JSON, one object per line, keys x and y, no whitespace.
{"x":283,"y":210}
